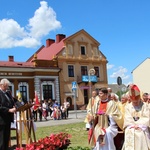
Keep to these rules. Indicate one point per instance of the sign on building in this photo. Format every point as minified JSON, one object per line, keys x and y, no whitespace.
{"x":87,"y":78}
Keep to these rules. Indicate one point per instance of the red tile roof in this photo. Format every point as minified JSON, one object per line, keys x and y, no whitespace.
{"x":47,"y":53}
{"x":15,"y":64}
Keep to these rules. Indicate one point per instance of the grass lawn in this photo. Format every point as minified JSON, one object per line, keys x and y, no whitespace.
{"x":79,"y":135}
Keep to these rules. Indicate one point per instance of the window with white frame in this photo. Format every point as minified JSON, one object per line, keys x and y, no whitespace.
{"x":47,"y":90}
{"x":23,"y":88}
{"x":70,"y":71}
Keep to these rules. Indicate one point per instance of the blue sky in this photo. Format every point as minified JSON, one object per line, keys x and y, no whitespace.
{"x":121,"y":26}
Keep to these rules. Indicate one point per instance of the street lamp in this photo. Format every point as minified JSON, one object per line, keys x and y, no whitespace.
{"x":91,"y":72}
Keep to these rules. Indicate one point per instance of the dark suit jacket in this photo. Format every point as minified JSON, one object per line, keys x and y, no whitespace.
{"x":6,"y":102}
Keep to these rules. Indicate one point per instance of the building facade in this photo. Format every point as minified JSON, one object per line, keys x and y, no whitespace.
{"x":80,"y":54}
{"x":141,"y":76}
{"x":55,"y":67}
{"x":26,"y":78}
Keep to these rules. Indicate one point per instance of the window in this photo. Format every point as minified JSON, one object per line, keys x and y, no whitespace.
{"x":23,"y":88}
{"x":84,"y":70}
{"x":47,"y":92}
{"x":70,"y":71}
{"x":96,"y":71}
{"x":83,"y":50}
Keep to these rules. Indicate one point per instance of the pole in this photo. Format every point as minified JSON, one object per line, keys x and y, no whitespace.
{"x":120,"y":93}
{"x":75,"y":105}
{"x":90,"y":87}
{"x":91,"y":72}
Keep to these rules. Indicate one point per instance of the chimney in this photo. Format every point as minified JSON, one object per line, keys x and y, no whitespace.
{"x":11,"y":58}
{"x":59,"y":37}
{"x":49,"y":42}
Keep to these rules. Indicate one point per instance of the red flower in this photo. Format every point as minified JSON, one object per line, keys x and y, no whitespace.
{"x":54,"y":141}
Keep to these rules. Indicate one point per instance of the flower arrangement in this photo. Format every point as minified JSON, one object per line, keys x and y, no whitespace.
{"x":58,"y":141}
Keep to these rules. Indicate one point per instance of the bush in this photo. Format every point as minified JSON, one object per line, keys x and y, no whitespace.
{"x":78,"y":148}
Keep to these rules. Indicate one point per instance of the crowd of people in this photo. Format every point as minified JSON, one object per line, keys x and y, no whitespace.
{"x":9,"y":106}
{"x":107,"y":117}
{"x":50,"y":108}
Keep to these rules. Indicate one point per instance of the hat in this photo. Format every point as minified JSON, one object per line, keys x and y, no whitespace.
{"x":134,"y":91}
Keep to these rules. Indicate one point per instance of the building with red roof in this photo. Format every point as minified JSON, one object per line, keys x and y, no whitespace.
{"x":60,"y":70}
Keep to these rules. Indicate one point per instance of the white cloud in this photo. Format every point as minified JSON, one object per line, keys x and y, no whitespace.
{"x":120,"y":71}
{"x":43,"y":21}
{"x":110,"y":66}
{"x":115,"y":72}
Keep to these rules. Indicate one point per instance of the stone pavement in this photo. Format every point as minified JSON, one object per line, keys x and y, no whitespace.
{"x":74,"y":117}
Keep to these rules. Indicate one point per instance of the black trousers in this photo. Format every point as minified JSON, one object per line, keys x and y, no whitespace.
{"x":4,"y":136}
{"x":67,"y":112}
{"x":40,"y":114}
{"x":35,"y":115}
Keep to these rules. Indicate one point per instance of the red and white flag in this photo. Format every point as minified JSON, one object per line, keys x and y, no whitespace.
{"x":36,"y":102}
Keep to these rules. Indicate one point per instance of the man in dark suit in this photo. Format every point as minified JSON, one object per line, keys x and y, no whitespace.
{"x":7,"y":110}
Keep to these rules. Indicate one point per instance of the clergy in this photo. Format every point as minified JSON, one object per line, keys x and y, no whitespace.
{"x":136,"y":122}
{"x":108,"y":119}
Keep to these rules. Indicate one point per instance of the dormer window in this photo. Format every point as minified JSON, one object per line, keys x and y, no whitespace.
{"x":83,"y":50}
